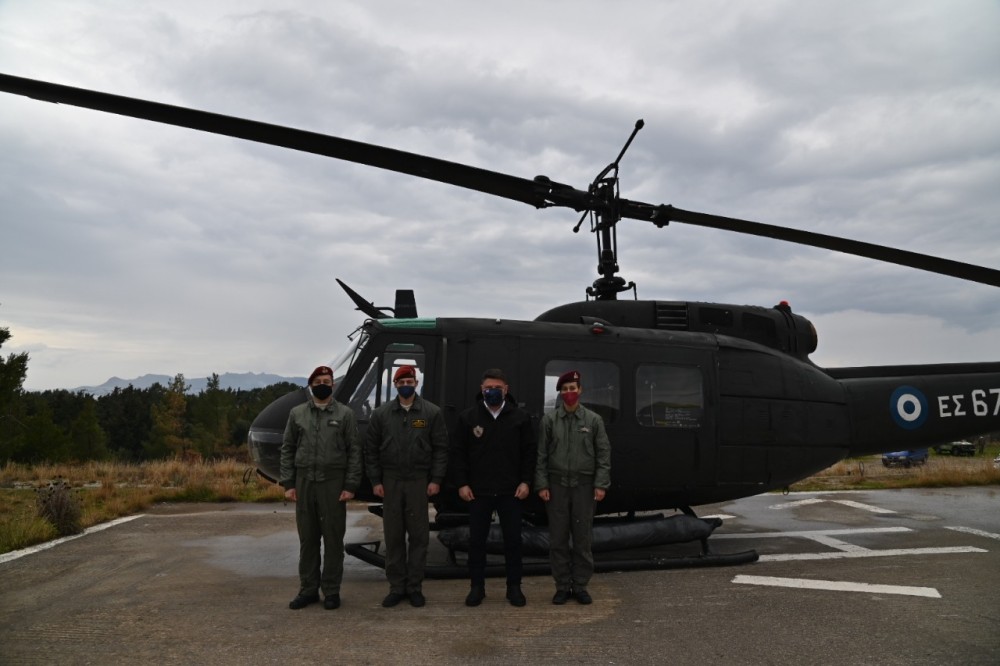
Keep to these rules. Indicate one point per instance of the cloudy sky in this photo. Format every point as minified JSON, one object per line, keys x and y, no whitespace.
{"x":128,"y":247}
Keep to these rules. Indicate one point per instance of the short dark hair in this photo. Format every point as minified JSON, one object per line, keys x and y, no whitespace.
{"x":495,"y":373}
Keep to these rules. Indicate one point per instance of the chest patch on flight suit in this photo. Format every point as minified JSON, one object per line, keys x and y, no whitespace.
{"x":478,"y":431}
{"x":418,"y":423}
{"x":333,"y":422}
{"x":584,"y":429}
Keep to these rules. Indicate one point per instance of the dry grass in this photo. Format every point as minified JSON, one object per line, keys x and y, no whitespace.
{"x":868,"y":473}
{"x":111,"y":490}
{"x":107,"y":491}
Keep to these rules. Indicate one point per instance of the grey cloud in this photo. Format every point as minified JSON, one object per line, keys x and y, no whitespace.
{"x":186,"y":249}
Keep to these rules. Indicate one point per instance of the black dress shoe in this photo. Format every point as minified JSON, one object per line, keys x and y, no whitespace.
{"x":303,"y":600}
{"x":561,"y":597}
{"x":417,"y":599}
{"x":583,"y":597}
{"x":476,"y":595}
{"x":331,"y":601}
{"x":392,"y":599}
{"x":515,"y":596}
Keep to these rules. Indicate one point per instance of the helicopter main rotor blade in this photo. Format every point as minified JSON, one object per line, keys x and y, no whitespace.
{"x":661,"y":215}
{"x":539,"y":192}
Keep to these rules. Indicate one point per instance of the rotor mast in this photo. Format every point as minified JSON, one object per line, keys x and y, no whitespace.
{"x":604,"y":216}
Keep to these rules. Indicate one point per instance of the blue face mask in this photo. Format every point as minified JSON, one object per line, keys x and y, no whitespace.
{"x":493,"y":396}
{"x":406,"y":392}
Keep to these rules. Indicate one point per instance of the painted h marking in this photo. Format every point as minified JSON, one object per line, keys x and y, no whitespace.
{"x":844,"y":550}
{"x":837,"y":586}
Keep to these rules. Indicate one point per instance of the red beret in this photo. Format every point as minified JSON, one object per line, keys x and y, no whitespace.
{"x":321,"y":370}
{"x":566,"y":378}
{"x":403,"y":372}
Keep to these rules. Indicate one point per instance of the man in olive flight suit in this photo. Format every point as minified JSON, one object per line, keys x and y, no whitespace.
{"x":406,"y":458}
{"x":320,"y":470}
{"x":573,"y":472}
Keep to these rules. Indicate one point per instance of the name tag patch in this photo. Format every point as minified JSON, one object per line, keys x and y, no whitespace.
{"x":418,"y":423}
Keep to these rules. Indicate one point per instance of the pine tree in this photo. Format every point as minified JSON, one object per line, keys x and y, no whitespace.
{"x":13,"y":370}
{"x":169,"y":435}
{"x":87,"y":439}
{"x":210,"y":414}
{"x":44,"y":440}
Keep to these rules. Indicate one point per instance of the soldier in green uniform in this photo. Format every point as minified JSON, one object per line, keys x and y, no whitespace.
{"x":573,"y":472}
{"x":320,"y":470}
{"x":406,"y":458}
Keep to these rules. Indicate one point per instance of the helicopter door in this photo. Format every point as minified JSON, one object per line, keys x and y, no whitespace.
{"x":376,"y":386}
{"x":483,"y":354}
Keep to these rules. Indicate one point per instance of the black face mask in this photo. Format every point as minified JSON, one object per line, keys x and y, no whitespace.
{"x":321,"y":391}
{"x":493,"y":396}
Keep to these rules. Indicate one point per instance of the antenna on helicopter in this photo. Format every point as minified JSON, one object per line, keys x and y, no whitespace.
{"x":604,"y":217}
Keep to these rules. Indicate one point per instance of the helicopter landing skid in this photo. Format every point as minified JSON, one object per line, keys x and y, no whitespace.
{"x":369,"y":552}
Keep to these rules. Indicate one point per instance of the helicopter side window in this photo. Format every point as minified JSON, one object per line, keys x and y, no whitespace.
{"x":668,"y":396}
{"x":601,"y":386}
{"x":376,"y":387}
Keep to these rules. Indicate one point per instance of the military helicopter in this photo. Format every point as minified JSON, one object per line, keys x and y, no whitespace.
{"x":703,"y":402}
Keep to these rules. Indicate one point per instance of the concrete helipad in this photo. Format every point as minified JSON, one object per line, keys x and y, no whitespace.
{"x":843,"y":579}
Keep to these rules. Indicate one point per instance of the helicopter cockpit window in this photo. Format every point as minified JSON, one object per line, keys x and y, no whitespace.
{"x":376,"y":387}
{"x":668,"y":396}
{"x":345,"y":359}
{"x":601,"y":385}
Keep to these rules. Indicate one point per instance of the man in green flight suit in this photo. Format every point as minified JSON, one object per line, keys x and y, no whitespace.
{"x":406,"y":457}
{"x":320,"y":470}
{"x":573,"y":472}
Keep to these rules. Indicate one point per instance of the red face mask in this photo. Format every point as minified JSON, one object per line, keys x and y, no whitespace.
{"x":570,"y":398}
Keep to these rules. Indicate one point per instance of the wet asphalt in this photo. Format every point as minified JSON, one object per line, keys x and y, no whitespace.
{"x":880,"y":577}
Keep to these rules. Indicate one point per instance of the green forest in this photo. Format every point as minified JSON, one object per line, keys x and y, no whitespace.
{"x":128,"y":425}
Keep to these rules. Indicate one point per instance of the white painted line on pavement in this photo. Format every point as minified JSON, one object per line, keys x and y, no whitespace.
{"x":812,"y":534}
{"x":816,"y":500}
{"x":838,"y":544}
{"x":797,"y":503}
{"x":720,"y":516}
{"x":866,"y":507}
{"x":972,"y":530}
{"x":840,"y":555}
{"x":837,"y":586}
{"x":31,"y":550}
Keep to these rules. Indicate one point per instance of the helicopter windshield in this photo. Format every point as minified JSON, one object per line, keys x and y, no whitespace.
{"x":345,"y":359}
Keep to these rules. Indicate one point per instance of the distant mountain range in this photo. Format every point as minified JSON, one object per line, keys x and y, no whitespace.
{"x":230,"y":380}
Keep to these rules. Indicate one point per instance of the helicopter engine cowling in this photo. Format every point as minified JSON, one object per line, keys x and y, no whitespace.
{"x":777,"y":327}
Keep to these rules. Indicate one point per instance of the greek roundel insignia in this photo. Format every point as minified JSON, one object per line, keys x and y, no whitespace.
{"x":478,"y":431}
{"x":908,"y":407}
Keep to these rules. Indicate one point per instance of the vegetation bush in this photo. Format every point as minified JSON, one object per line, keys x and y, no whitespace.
{"x":57,"y":505}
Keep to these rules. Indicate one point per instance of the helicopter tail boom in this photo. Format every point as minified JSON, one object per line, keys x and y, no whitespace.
{"x":899,"y":407}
